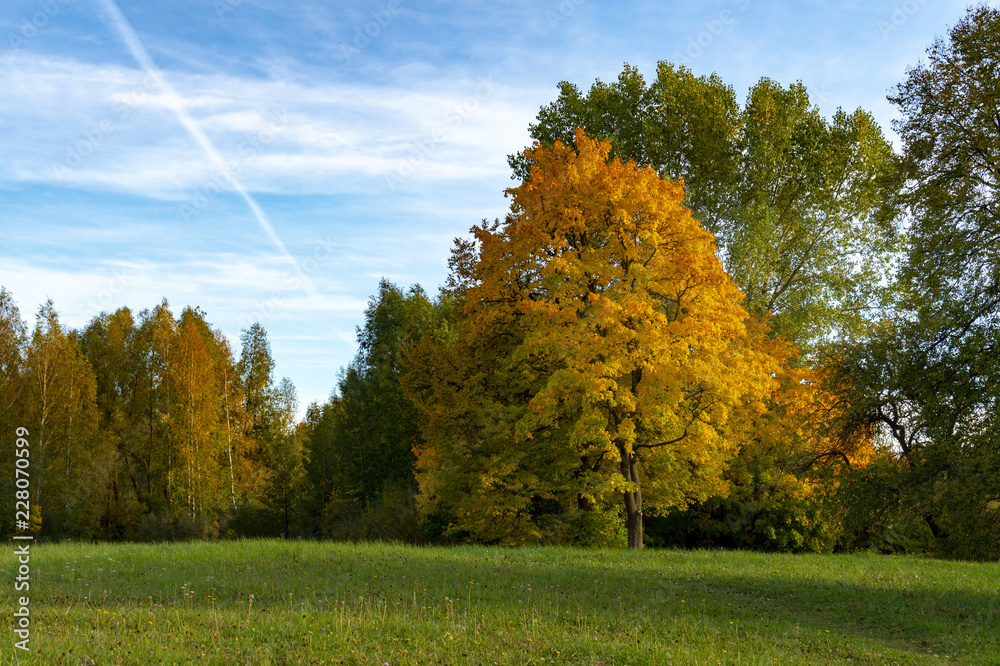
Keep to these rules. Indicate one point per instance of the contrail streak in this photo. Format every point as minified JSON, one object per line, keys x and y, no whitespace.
{"x":124,"y":28}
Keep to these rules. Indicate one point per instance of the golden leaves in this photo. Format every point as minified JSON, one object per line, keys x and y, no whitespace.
{"x":599,"y":331}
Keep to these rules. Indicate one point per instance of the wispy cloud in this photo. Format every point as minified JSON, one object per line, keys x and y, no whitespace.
{"x":104,"y":126}
{"x":177,"y":105}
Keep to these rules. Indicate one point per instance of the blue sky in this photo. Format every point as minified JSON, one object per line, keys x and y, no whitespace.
{"x":365,"y":135}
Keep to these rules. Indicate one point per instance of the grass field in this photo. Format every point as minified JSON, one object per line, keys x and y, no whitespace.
{"x":270,"y":602}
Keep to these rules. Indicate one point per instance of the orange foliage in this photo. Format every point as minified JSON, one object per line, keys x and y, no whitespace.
{"x":601,"y":337}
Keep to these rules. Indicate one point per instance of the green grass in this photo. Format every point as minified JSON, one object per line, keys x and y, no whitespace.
{"x":374,"y":604}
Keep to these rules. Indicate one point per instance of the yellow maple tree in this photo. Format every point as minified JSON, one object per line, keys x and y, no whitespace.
{"x":602,"y":348}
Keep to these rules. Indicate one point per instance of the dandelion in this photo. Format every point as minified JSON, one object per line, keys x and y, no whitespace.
{"x":249,"y":606}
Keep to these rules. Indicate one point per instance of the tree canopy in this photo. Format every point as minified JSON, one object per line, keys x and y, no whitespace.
{"x":601,"y":302}
{"x":794,"y":200}
{"x":928,"y":373}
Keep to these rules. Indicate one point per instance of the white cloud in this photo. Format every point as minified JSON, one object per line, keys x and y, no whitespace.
{"x":107,"y":127}
{"x":234,"y":286}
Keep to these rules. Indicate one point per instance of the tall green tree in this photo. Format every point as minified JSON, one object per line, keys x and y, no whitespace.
{"x":256,"y":370}
{"x":131,"y":357}
{"x":113,"y":345}
{"x":929,"y":376}
{"x":277,"y":452}
{"x":950,"y":129}
{"x":256,"y":373}
{"x":162,"y":449}
{"x":362,"y":439}
{"x":287,"y":487}
{"x":793,"y":199}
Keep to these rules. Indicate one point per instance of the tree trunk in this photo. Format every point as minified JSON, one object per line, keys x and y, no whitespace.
{"x":633,"y":500}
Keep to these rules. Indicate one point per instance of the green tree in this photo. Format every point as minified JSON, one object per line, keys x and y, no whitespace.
{"x":123,"y":389}
{"x":287,"y":487}
{"x":362,"y":439}
{"x":162,"y":448}
{"x":792,"y":199}
{"x":928,"y":376}
{"x":951,"y":141}
{"x":276,"y":450}
{"x":130,"y":356}
{"x":256,"y":374}
{"x":256,"y":370}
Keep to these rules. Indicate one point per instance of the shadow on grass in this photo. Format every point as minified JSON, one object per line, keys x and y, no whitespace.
{"x":836,"y":608}
{"x":879,"y":600}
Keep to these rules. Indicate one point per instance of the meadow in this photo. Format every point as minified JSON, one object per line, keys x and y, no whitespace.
{"x":302,"y":602}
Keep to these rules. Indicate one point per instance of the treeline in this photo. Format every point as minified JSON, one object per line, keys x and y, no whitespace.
{"x":703,"y":323}
{"x":147,"y":427}
{"x":590,"y":374}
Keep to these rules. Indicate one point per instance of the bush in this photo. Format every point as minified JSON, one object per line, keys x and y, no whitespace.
{"x":877,"y":512}
{"x":393,"y":516}
{"x":155,"y":528}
